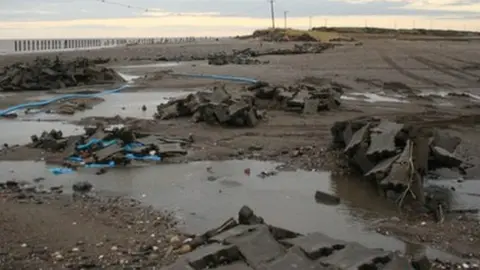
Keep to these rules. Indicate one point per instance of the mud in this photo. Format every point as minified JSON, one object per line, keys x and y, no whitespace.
{"x":396,"y":70}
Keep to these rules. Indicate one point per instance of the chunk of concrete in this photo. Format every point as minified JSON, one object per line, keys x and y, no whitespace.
{"x":400,"y":171}
{"x":356,"y":256}
{"x":294,"y":259}
{"x":212,"y":255}
{"x":258,"y":247}
{"x":298,"y":99}
{"x":237,"y":108}
{"x":325,"y":198}
{"x":219,"y":95}
{"x":105,"y":153}
{"x":358,"y":137}
{"x":347,"y":134}
{"x":360,"y":158}
{"x":445,"y":140}
{"x":169,"y":149}
{"x":235,"y":231}
{"x":315,"y":245}
{"x":382,"y":169}
{"x":382,"y":140}
{"x":445,"y":158}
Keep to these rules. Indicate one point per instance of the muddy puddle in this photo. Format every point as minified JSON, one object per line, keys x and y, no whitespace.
{"x":204,"y":194}
{"x":18,"y":132}
{"x":125,"y":104}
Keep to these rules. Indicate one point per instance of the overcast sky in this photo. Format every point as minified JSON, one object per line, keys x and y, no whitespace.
{"x":77,"y":18}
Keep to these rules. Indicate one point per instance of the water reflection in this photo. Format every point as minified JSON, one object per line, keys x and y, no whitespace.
{"x":285,"y":199}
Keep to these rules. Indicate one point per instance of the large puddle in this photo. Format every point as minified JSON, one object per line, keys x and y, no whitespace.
{"x":19,"y":132}
{"x":204,"y":194}
{"x":126,"y":104}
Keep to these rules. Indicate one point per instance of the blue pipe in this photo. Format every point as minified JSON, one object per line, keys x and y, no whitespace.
{"x":72,"y":96}
{"x":62,"y":97}
{"x":218,"y":77}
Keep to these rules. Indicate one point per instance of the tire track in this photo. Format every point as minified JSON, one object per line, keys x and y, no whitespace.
{"x":409,"y":74}
{"x":446,"y":69}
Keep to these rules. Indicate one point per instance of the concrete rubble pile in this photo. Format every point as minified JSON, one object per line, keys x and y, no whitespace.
{"x":45,"y":74}
{"x":249,"y":243}
{"x":305,"y":48}
{"x":302,"y":97}
{"x":247,"y":56}
{"x":396,"y":156}
{"x":108,"y":147}
{"x":217,"y":107}
{"x":243,"y":57}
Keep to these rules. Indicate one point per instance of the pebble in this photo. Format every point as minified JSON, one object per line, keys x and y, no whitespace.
{"x":114,"y":248}
{"x":57,"y":256}
{"x":24,"y":245}
{"x":174,"y":239}
{"x":184,"y":249}
{"x":75,"y":249}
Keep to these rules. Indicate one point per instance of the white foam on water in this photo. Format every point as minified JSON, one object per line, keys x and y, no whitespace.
{"x":372,"y":97}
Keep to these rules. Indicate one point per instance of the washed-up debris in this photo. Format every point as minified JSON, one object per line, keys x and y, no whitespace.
{"x":103,"y":148}
{"x":239,"y":108}
{"x":247,"y":56}
{"x":45,"y":74}
{"x":243,"y":57}
{"x":302,"y":97}
{"x":217,"y":107}
{"x":325,"y":198}
{"x":252,"y":244}
{"x":395,"y":156}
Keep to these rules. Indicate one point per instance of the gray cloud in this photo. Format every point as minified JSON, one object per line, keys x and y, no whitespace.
{"x":31,"y":10}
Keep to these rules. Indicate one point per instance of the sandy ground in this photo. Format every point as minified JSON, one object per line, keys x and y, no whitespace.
{"x":412,"y":67}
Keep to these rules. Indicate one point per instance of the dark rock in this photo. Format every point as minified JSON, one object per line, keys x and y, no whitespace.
{"x":446,"y":141}
{"x":325,"y":198}
{"x":316,"y":245}
{"x":246,"y":216}
{"x":82,"y":187}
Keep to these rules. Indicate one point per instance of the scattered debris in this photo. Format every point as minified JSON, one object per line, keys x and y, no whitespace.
{"x":107,"y":147}
{"x":217,"y":107}
{"x":239,"y":108}
{"x":325,"y":198}
{"x":252,"y":244}
{"x":45,"y":74}
{"x":394,"y":155}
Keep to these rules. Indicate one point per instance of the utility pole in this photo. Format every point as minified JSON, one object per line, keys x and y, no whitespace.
{"x":285,"y":19}
{"x":273,"y":13}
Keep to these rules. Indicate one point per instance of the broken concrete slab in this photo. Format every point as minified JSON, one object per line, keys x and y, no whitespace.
{"x":258,"y":247}
{"x":235,"y":231}
{"x":298,"y":99}
{"x":358,"y":137}
{"x":212,"y":255}
{"x":104,"y":154}
{"x":445,"y":140}
{"x":445,"y":158}
{"x":382,"y":169}
{"x":360,"y":158}
{"x":382,"y":140}
{"x":401,"y":168}
{"x":316,"y":245}
{"x":356,"y":256}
